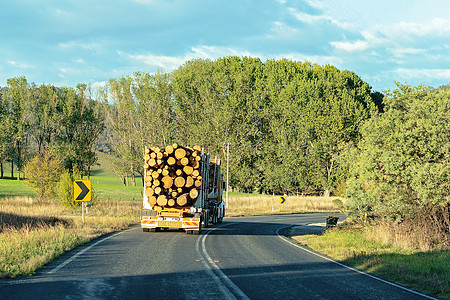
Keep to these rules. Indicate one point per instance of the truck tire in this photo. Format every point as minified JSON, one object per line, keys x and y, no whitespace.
{"x":206,"y":219}
{"x":145,"y":229}
{"x":197,"y":232}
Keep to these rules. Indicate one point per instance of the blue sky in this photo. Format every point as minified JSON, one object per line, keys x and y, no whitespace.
{"x":90,"y":41}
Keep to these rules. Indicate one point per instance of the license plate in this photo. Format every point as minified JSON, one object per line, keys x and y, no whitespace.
{"x":170,"y":224}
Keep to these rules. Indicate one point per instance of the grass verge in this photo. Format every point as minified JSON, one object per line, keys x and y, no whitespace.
{"x":256,"y":204}
{"x":424,"y":271}
{"x":33,"y":234}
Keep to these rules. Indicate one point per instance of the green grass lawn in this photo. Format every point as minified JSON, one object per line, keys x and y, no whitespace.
{"x":15,"y":188}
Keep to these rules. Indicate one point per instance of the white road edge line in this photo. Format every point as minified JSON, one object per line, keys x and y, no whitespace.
{"x":69,"y":260}
{"x":228,"y":287}
{"x":348,"y":267}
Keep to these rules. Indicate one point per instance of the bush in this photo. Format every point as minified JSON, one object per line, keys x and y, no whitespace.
{"x":43,"y":172}
{"x":401,"y":171}
{"x":65,"y":188}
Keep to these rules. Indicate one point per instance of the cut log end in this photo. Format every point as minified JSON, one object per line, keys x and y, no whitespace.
{"x":193,"y":193}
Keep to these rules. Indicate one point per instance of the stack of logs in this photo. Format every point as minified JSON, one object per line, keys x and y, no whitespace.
{"x":172,"y":175}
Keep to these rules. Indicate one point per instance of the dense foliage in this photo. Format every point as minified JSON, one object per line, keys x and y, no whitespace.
{"x":292,"y":128}
{"x":400,"y":170}
{"x":37,"y":119}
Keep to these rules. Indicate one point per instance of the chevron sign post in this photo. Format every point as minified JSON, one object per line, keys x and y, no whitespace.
{"x":82,"y":192}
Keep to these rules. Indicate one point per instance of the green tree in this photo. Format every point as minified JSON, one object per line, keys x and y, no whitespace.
{"x":18,"y":96}
{"x":310,"y":114}
{"x":45,"y":106}
{"x":6,"y":126}
{"x":79,"y":124}
{"x":123,"y":117}
{"x":217,"y":103}
{"x":43,"y":172}
{"x":400,"y":170}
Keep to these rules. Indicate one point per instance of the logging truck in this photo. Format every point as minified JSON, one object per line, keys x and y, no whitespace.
{"x":183,"y":189}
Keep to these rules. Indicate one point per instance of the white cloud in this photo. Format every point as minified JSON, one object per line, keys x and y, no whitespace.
{"x":437,"y":27}
{"x":94,"y":46}
{"x":313,"y":19}
{"x":281,"y":30}
{"x":315,"y":59}
{"x":316,"y":4}
{"x":168,"y":63}
{"x":402,"y":52}
{"x":19,"y":65}
{"x":410,"y":74}
{"x":351,"y":46}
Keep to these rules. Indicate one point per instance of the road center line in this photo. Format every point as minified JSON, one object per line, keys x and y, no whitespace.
{"x":228,"y":287}
{"x":348,"y":267}
{"x":67,"y":261}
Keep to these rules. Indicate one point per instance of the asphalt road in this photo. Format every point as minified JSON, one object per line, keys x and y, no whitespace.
{"x":243,"y":258}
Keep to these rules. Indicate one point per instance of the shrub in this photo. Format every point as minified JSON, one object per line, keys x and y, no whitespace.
{"x":43,"y":172}
{"x":65,"y":188}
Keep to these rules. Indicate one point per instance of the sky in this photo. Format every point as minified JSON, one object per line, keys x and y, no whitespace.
{"x":91,"y":41}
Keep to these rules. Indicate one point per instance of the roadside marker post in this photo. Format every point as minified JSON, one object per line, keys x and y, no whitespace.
{"x":82,"y":192}
{"x":282,"y":201}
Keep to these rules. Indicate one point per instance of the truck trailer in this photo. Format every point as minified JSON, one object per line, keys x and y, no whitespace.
{"x":183,"y":189}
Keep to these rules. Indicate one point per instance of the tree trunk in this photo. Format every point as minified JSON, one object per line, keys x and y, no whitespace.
{"x":12,"y":167}
{"x":1,"y":170}
{"x":18,"y":163}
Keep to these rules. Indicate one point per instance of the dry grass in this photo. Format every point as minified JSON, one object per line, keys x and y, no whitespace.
{"x":250,"y":205}
{"x":372,"y":249}
{"x":32,"y":234}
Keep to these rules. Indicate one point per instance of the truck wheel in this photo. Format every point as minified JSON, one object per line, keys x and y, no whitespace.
{"x":188,"y":231}
{"x":145,"y":229}
{"x":206,"y":219}
{"x":197,"y":232}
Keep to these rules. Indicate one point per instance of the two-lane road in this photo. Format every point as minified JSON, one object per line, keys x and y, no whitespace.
{"x":243,"y":258}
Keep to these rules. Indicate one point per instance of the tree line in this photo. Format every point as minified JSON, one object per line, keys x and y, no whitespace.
{"x":38,"y":119}
{"x":287,"y":122}
{"x":292,"y":128}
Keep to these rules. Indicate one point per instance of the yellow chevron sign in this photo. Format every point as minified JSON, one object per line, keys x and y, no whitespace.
{"x":82,"y":190}
{"x":283,"y":200}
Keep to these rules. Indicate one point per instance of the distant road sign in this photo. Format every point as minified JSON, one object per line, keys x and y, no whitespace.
{"x":283,"y":200}
{"x":82,"y":190}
